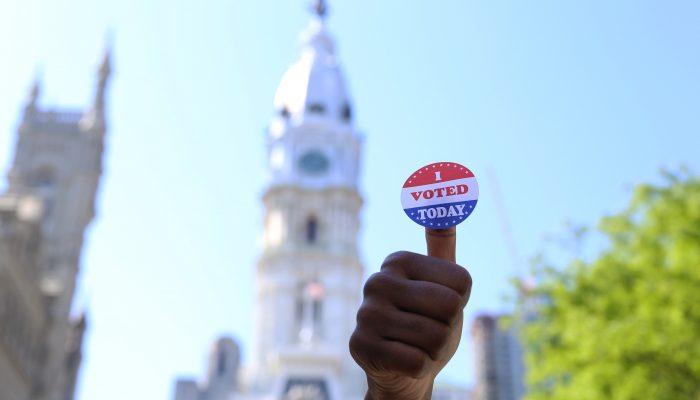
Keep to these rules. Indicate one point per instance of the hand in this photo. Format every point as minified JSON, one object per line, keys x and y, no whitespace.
{"x":410,"y":322}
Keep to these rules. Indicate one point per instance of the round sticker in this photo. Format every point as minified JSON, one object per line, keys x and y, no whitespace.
{"x":440,"y":195}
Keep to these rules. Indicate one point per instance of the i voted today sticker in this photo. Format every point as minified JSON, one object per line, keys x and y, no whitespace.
{"x":440,"y":195}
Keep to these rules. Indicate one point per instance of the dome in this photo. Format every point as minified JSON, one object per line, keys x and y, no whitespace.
{"x":314,"y":85}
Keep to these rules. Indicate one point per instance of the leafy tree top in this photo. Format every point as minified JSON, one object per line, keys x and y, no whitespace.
{"x":625,"y":325}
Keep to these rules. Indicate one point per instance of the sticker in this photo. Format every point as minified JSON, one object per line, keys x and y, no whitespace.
{"x":440,"y":195}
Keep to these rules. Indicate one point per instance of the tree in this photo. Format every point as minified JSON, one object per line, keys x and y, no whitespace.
{"x":626,"y":324}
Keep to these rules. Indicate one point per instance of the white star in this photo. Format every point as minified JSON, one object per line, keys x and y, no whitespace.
{"x":471,"y":206}
{"x":413,"y":213}
{"x":454,"y":220}
{"x":410,"y":181}
{"x":431,"y":224}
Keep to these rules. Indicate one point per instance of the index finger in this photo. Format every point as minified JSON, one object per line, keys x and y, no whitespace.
{"x":442,"y":243}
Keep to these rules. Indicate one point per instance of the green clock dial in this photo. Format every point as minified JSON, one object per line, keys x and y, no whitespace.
{"x":314,"y":162}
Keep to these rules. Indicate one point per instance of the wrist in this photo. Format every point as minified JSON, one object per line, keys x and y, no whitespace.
{"x":379,"y":392}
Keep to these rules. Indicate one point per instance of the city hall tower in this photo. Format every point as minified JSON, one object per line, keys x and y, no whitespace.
{"x":309,"y":275}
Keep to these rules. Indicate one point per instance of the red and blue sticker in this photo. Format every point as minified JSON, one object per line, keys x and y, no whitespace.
{"x":440,"y":195}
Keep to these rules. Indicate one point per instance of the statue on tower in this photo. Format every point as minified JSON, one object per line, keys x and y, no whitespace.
{"x":320,"y":8}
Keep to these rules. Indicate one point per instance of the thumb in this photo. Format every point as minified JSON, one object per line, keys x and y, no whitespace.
{"x":442,"y":243}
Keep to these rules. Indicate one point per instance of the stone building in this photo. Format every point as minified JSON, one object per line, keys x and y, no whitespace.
{"x":49,"y":202}
{"x":221,"y":380}
{"x":443,"y":391}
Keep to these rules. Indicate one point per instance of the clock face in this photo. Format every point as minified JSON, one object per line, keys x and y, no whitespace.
{"x":314,"y":162}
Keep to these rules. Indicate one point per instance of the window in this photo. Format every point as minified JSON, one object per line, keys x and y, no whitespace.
{"x":311,"y":230}
{"x":317,"y":310}
{"x":315,"y":292}
{"x":346,"y":112}
{"x":299,"y":307}
{"x":309,"y":310}
{"x":284,"y":112}
{"x":316,"y":108}
{"x":44,"y":182}
{"x":43,"y":178}
{"x":221,"y":363}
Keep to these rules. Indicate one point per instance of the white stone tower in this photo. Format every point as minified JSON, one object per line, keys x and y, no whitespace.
{"x":58,"y":158}
{"x":309,"y":275}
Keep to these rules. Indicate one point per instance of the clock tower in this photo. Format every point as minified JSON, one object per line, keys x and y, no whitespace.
{"x":309,"y":275}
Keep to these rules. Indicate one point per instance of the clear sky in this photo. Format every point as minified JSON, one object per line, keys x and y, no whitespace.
{"x":568,"y":104}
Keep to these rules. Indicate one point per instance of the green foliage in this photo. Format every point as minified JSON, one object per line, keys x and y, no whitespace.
{"x":626,"y":325}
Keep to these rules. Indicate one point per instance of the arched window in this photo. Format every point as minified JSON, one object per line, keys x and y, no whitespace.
{"x":346,"y":112}
{"x":284,"y":112}
{"x":311,"y":229}
{"x":44,"y":179}
{"x":44,"y":182}
{"x":309,"y":309}
{"x":299,"y":300}
{"x":317,"y":310}
{"x":221,"y":363}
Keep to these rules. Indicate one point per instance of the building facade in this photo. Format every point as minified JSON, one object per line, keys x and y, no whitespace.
{"x":49,"y":203}
{"x":498,"y":359}
{"x":442,"y":391}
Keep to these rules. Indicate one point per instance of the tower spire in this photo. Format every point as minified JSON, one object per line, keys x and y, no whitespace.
{"x":320,"y":9}
{"x":34,"y":92}
{"x":30,"y":108}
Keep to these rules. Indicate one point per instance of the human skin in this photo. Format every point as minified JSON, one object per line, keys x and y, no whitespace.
{"x":410,"y":322}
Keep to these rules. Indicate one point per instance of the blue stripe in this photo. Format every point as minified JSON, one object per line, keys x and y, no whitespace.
{"x":440,"y":222}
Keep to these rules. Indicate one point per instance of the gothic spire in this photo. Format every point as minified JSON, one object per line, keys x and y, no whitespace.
{"x":103,"y":73}
{"x":95,"y":117}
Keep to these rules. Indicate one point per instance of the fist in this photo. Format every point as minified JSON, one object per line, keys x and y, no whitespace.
{"x":410,"y":322}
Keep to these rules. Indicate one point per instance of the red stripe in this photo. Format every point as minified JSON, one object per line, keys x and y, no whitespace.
{"x":448,"y":171}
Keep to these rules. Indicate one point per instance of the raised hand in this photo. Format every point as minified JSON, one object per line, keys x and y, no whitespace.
{"x":410,"y":322}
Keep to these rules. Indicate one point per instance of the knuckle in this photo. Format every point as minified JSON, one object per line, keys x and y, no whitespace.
{"x":462,"y":279}
{"x":428,"y":335}
{"x":368,"y":315}
{"x":396,"y":259}
{"x":357,"y":342}
{"x":451,"y":305}
{"x":440,"y":334}
{"x":359,"y":345}
{"x":376,"y":284}
{"x":414,"y":364}
{"x":353,"y":343}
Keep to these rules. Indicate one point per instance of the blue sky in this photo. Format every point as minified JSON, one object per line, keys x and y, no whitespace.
{"x":568,"y":104}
